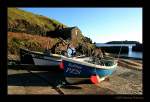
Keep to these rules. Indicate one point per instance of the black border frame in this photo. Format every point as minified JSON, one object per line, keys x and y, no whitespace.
{"x":55,"y":3}
{"x":75,"y":3}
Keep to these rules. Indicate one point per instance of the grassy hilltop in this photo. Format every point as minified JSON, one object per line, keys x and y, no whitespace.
{"x":23,"y":21}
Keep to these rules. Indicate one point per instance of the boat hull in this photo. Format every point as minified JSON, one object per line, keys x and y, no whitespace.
{"x":74,"y":71}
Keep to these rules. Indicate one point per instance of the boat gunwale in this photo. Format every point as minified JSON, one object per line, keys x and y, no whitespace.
{"x":51,"y":55}
{"x":41,"y":53}
{"x":75,"y":60}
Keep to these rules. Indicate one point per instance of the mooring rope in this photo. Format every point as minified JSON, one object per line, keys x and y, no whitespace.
{"x":119,"y":52}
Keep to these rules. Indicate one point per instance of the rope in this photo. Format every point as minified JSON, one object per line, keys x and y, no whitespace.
{"x":119,"y":52}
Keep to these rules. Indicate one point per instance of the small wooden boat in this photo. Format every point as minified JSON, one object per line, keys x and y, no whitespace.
{"x":39,"y":58}
{"x":79,"y":69}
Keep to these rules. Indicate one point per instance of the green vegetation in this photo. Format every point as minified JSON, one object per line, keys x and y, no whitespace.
{"x":15,"y":43}
{"x":31,"y":42}
{"x":22,"y":21}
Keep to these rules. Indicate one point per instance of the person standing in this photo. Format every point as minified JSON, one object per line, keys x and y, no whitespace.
{"x":71,"y":52}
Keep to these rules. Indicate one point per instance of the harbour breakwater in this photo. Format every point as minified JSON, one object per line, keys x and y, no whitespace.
{"x":128,"y":49}
{"x":115,"y":49}
{"x":124,"y":47}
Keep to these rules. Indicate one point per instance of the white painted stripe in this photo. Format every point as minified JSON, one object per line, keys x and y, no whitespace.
{"x":44,"y":62}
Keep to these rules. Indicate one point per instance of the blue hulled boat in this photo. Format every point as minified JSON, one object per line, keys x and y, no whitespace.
{"x":79,"y":69}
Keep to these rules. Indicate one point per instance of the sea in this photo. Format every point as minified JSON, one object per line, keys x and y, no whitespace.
{"x":134,"y":54}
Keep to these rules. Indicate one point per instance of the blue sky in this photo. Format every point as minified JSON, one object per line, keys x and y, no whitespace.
{"x":100,"y":24}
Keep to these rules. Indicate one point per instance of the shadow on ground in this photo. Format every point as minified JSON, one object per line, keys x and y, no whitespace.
{"x":48,"y":78}
{"x":36,"y":79}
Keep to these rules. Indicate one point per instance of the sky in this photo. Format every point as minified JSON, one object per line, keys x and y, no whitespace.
{"x":99,"y":24}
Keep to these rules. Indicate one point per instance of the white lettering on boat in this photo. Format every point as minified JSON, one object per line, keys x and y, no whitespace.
{"x":73,"y":68}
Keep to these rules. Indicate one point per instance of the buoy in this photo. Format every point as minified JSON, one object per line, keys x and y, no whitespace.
{"x":61,"y":65}
{"x":95,"y":79}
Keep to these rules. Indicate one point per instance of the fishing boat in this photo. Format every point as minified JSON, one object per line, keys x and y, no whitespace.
{"x":39,"y":58}
{"x":79,"y":69}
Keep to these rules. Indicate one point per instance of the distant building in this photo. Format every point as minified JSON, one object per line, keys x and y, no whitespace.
{"x":69,"y":33}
